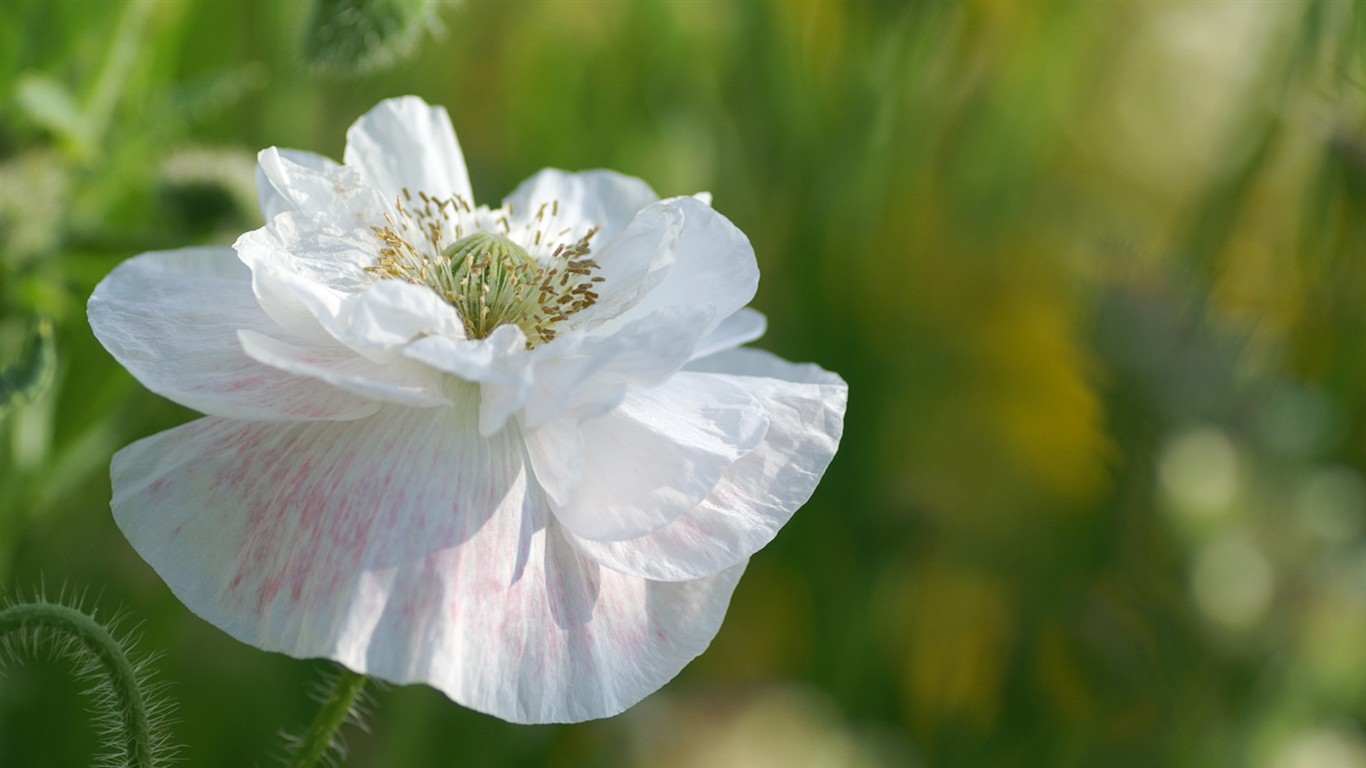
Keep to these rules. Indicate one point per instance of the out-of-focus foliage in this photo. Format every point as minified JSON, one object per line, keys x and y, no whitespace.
{"x":1095,"y":272}
{"x":350,"y":36}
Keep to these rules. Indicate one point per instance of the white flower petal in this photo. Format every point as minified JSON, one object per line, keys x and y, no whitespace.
{"x":589,"y":375}
{"x":291,"y":300}
{"x":292,"y":180}
{"x":493,"y":358}
{"x":579,"y":201}
{"x":404,"y":143}
{"x":500,"y":363}
{"x":409,"y":548}
{"x":744,"y":326}
{"x":556,"y":454}
{"x":631,"y":264}
{"x":763,"y":365}
{"x":171,"y":318}
{"x":654,"y":457}
{"x":397,"y":381}
{"x":331,"y":251}
{"x":705,"y":262}
{"x":390,"y":314}
{"x":312,"y":278}
{"x":804,"y":406}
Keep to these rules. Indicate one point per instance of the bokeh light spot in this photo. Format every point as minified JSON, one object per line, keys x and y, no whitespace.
{"x":1199,"y":470}
{"x":1232,"y":582}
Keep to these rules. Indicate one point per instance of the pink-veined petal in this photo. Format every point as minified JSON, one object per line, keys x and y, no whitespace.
{"x":654,"y":457}
{"x":405,"y":143}
{"x":757,"y":495}
{"x":409,"y":548}
{"x":171,"y":318}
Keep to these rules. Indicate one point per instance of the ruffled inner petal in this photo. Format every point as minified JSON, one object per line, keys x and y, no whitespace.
{"x":556,"y":201}
{"x":804,"y":407}
{"x":405,"y":143}
{"x":397,"y":381}
{"x":171,"y":318}
{"x":496,"y":358}
{"x":588,"y":375}
{"x":293,"y":180}
{"x":701,"y":260}
{"x":391,"y":313}
{"x":331,"y":250}
{"x":408,"y":547}
{"x":500,"y":363}
{"x":310,"y":275}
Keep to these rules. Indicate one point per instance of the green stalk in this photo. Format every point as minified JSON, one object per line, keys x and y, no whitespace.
{"x":128,"y":706}
{"x":322,"y":733}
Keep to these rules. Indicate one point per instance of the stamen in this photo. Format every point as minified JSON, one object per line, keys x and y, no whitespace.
{"x":509,"y":285}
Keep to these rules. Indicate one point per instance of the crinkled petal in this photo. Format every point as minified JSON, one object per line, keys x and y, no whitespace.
{"x":586,"y":375}
{"x":397,"y":381}
{"x":409,"y":548}
{"x":804,"y":406}
{"x":390,"y":314}
{"x":500,"y":363}
{"x":292,"y":180}
{"x":405,"y":143}
{"x":632,"y":263}
{"x":557,"y":200}
{"x":706,"y":262}
{"x":171,"y":318}
{"x":476,"y":360}
{"x":744,"y":326}
{"x":331,"y":251}
{"x":590,"y":375}
{"x":292,"y":300}
{"x":654,"y":457}
{"x":311,"y":277}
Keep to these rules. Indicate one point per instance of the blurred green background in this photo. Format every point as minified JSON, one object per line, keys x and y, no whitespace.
{"x":1095,"y":274}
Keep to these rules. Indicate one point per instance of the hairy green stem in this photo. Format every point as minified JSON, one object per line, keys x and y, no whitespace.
{"x":336,"y":708}
{"x":136,"y":739}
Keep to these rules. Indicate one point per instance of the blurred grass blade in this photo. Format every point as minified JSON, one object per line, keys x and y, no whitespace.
{"x":49,"y":104}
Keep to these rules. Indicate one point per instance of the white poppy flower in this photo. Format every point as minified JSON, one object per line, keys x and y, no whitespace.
{"x":513,"y":453}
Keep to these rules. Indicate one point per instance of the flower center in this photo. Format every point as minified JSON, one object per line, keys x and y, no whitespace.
{"x":489,"y":279}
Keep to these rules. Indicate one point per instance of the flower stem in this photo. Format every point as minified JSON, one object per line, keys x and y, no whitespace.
{"x":126,"y":705}
{"x":322,"y":733}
